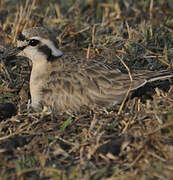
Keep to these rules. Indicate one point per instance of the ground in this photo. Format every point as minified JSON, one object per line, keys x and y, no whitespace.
{"x":133,"y":140}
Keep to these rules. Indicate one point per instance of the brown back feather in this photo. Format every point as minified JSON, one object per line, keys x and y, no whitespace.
{"x":75,"y":82}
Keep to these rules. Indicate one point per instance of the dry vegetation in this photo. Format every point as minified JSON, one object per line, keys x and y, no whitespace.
{"x":133,"y":141}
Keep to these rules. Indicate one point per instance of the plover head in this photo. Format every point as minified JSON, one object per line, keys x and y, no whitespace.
{"x":38,"y":43}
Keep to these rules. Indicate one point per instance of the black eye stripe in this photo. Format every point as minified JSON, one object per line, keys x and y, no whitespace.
{"x":22,"y":48}
{"x":45,"y":50}
{"x":48,"y":52}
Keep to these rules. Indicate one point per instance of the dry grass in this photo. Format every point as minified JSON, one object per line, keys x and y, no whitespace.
{"x":137,"y":142}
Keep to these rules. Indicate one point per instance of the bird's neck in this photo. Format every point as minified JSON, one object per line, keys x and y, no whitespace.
{"x":37,"y":81}
{"x":39,"y":67}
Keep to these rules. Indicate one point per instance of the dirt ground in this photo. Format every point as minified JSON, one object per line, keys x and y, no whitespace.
{"x":133,"y":140}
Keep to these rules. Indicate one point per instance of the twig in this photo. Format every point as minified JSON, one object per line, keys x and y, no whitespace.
{"x":5,"y":69}
{"x":131,"y":79}
{"x":88,"y":51}
{"x":158,"y":129}
{"x":93,"y":35}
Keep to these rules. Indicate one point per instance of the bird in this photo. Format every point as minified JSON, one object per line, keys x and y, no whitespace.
{"x":65,"y":82}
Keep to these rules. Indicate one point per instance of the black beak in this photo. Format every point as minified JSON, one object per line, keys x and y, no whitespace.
{"x":11,"y":52}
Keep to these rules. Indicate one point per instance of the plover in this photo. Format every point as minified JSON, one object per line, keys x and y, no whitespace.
{"x":66,"y":82}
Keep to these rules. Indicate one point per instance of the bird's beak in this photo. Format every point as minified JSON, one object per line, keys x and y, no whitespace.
{"x":8,"y":53}
{"x":11,"y":52}
{"x":19,"y":51}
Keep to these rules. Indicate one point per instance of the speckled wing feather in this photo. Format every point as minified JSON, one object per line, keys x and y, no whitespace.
{"x":78,"y":82}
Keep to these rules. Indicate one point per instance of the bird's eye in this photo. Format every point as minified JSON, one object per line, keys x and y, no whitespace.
{"x":34,"y":42}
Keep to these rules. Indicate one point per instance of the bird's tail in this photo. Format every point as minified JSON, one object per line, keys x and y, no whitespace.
{"x":161,"y":75}
{"x":149,"y":76}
